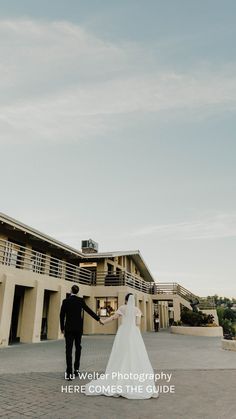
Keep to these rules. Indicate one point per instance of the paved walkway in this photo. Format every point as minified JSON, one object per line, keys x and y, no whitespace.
{"x":203,"y":377}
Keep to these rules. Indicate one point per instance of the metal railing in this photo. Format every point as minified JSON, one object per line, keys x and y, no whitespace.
{"x":21,"y":257}
{"x":206,"y":303}
{"x":175,"y":288}
{"x":122,"y":278}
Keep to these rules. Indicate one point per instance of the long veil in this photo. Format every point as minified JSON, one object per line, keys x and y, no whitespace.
{"x":129,"y":318}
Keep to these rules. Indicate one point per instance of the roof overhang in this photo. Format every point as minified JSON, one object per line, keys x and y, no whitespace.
{"x":16,"y":225}
{"x":134,"y":254}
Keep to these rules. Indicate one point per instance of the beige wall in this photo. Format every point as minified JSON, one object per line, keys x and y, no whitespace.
{"x":198,"y":331}
{"x":31,"y":309}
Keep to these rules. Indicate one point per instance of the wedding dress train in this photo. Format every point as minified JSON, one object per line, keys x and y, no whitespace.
{"x":129,"y":372}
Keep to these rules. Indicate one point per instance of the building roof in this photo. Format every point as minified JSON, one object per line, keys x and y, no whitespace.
{"x":135,"y":254}
{"x":17,"y":225}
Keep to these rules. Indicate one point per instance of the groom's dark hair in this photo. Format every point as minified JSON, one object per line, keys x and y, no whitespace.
{"x":75,"y":289}
{"x":127,"y":296}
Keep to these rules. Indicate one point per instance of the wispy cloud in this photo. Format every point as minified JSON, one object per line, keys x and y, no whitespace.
{"x":214,"y":227}
{"x":61,"y":83}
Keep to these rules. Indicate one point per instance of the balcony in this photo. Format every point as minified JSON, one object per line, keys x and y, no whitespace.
{"x":20,"y":257}
{"x":123,"y":278}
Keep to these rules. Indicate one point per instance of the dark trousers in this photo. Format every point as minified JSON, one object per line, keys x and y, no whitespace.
{"x":71,"y":338}
{"x":156,"y":326}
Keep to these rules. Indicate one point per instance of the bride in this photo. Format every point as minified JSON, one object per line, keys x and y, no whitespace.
{"x":129,"y":372}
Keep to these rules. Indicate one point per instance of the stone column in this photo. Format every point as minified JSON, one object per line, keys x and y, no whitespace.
{"x":176,"y":306}
{"x":144,"y":317}
{"x":32,"y":314}
{"x":149,"y":315}
{"x":89,"y":322}
{"x":166,"y":315}
{"x":161,"y":316}
{"x":56,"y":298}
{"x":7,"y":290}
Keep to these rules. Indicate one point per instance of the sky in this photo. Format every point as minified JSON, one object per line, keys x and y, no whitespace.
{"x":117,"y":123}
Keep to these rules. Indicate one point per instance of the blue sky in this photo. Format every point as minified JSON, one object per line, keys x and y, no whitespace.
{"x":117,"y":122}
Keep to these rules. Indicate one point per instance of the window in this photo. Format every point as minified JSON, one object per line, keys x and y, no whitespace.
{"x":110,"y":268}
{"x":106,"y":306}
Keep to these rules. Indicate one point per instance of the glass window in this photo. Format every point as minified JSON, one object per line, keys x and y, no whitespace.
{"x":106,"y":306}
{"x":110,"y":268}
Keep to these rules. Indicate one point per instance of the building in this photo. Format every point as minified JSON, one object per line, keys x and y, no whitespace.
{"x":36,"y":274}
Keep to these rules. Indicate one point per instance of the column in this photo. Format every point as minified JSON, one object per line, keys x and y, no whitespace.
{"x":56,"y":298}
{"x":163,"y":315}
{"x":32,"y":314}
{"x":143,"y":318}
{"x":166,"y":315}
{"x":89,"y":322}
{"x":121,"y":301}
{"x":176,"y":306}
{"x":7,"y":290}
{"x":161,"y":321}
{"x":149,"y":315}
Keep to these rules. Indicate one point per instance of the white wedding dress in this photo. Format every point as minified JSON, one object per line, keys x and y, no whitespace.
{"x":129,"y":372}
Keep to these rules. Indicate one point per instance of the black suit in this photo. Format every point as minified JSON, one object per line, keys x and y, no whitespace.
{"x":71,"y":320}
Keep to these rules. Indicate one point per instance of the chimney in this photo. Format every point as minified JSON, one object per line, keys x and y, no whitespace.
{"x":89,"y":246}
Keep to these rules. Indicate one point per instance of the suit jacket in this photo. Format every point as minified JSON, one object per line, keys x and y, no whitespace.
{"x":71,"y":314}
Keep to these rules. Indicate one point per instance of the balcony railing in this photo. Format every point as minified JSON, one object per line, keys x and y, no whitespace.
{"x":206,"y":303}
{"x":122,"y":278}
{"x":175,"y":288}
{"x":18,"y":256}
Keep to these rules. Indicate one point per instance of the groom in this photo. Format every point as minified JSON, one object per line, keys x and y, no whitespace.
{"x":71,"y":321}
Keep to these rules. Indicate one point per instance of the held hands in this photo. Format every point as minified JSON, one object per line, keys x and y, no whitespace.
{"x":101,"y":322}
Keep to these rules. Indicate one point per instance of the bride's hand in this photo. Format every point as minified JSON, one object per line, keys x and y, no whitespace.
{"x":101,"y":322}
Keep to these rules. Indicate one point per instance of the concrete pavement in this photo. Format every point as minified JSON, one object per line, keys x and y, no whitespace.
{"x":203,"y":377}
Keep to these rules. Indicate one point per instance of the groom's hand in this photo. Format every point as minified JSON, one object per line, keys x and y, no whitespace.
{"x":101,"y":322}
